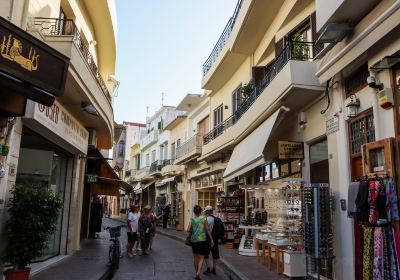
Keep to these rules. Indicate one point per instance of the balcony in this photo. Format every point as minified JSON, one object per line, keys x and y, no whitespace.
{"x":189,"y":149}
{"x":84,"y":81}
{"x":155,"y":167}
{"x":289,"y":81}
{"x":143,"y":174}
{"x":219,"y":46}
{"x":169,"y":168}
{"x":149,"y":139}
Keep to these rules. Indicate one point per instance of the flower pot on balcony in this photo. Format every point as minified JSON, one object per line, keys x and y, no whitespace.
{"x":22,"y":274}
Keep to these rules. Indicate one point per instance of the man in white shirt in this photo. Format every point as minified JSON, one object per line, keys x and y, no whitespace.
{"x":132,"y":230}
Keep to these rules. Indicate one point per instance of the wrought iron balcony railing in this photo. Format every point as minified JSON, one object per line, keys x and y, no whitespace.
{"x":294,"y":50}
{"x":191,"y":145}
{"x":156,"y":166}
{"x":222,"y":40}
{"x":67,"y":27}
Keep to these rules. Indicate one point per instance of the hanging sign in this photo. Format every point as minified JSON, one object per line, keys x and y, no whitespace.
{"x":332,"y":125}
{"x":91,"y":178}
{"x":290,"y":150}
{"x":32,"y":61}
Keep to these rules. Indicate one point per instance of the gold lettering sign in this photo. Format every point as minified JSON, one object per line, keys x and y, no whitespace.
{"x":290,"y":150}
{"x":11,"y":49}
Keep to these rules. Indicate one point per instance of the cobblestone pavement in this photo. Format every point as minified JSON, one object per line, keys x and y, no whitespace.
{"x":169,"y":259}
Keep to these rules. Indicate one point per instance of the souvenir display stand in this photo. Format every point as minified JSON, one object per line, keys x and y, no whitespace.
{"x":373,"y":204}
{"x":230,"y":209}
{"x":318,"y":230}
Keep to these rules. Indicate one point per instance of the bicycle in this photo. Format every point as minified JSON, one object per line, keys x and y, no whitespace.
{"x":114,"y":251}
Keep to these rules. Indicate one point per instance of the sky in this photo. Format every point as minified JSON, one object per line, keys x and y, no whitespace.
{"x":162,"y":45}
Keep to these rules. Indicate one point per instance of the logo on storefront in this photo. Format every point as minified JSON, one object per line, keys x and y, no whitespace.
{"x":51,"y":112}
{"x":290,"y":150}
{"x":12,"y":49}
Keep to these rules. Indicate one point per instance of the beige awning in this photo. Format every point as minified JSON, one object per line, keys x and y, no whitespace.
{"x":248,"y":154}
{"x":148,"y":185}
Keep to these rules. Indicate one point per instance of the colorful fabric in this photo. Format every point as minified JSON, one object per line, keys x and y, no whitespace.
{"x":358,"y":249}
{"x":374,"y":193}
{"x":392,"y":201}
{"x":199,"y":229}
{"x":368,"y":253}
{"x":396,"y":246}
{"x":378,"y":255}
{"x":393,"y":258}
{"x":386,"y":253}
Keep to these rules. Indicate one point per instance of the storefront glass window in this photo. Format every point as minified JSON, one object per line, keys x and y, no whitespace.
{"x":42,"y":165}
{"x":285,"y":169}
{"x":295,"y":166}
{"x":267,"y":172}
{"x":275,"y":170}
{"x":319,"y":163}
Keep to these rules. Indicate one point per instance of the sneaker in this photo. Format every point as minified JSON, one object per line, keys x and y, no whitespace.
{"x":130,"y":255}
{"x":207,"y":271}
{"x":213,"y":271}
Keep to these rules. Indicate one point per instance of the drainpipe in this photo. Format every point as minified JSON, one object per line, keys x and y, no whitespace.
{"x":11,"y":10}
{"x":25,"y":11}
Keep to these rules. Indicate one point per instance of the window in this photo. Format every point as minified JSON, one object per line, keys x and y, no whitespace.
{"x":121,"y":148}
{"x":161,"y":152}
{"x":203,"y":127}
{"x":356,"y":81}
{"x":147,"y":160}
{"x":153,"y":156}
{"x":178,"y":142}
{"x":173,"y":150}
{"x":361,"y":131}
{"x":236,"y":99}
{"x":218,"y":118}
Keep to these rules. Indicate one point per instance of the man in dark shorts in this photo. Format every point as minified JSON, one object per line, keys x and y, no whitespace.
{"x":214,"y":250}
{"x":132,"y":231}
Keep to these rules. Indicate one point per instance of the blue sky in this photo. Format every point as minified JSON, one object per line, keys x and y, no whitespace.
{"x":162,"y":45}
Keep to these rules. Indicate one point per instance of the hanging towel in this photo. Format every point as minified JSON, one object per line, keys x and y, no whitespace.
{"x":378,"y":268}
{"x":351,"y":199}
{"x":368,"y":253}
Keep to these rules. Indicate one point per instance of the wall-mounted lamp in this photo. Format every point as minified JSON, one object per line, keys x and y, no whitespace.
{"x":89,"y":108}
{"x":353,"y":106}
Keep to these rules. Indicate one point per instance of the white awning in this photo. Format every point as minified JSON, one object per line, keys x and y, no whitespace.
{"x":248,"y":154}
{"x":148,"y":185}
{"x":170,"y":179}
{"x":137,"y":189}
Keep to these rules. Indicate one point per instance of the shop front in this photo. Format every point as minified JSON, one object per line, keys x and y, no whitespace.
{"x":53,"y":143}
{"x":266,"y":189}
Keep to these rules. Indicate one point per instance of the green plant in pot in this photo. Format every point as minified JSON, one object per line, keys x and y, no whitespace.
{"x":33,"y":214}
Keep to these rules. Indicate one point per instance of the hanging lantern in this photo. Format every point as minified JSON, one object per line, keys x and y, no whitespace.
{"x":353,"y":106}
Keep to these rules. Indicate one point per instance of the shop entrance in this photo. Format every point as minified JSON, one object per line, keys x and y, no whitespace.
{"x":43,"y":165}
{"x":319,"y":163}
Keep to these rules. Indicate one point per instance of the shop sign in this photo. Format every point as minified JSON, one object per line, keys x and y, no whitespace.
{"x":290,"y":150}
{"x":31,"y":60}
{"x":57,"y":119}
{"x":91,"y":178}
{"x":332,"y":125}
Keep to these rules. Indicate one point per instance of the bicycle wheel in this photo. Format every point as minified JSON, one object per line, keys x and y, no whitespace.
{"x":116,"y":258}
{"x":111,"y":254}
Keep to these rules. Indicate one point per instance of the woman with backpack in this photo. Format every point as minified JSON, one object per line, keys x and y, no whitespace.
{"x":147,"y":228}
{"x":199,"y":231}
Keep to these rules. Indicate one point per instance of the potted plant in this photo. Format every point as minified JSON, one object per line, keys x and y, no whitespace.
{"x":33,"y":214}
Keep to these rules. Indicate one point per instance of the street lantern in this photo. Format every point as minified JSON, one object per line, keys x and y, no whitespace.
{"x":353,"y":106}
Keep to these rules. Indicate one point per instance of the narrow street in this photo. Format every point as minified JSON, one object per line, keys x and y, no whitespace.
{"x":169,"y":260}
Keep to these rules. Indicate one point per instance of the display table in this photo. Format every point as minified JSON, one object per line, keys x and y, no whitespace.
{"x":278,"y":250}
{"x":247,"y":243}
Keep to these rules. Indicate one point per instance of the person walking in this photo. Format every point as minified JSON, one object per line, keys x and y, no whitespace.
{"x":147,"y":228}
{"x":198,"y":229}
{"x":213,"y":224}
{"x":165,"y":215}
{"x":132,"y":231}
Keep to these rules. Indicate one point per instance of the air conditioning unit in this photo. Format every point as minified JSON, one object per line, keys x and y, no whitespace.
{"x":92,"y":138}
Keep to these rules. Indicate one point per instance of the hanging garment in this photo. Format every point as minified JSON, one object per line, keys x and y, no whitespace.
{"x":392,"y":201}
{"x":368,"y":252}
{"x":394,"y":264}
{"x":362,"y":203}
{"x":351,"y":199}
{"x":381,"y":201}
{"x":396,"y":246}
{"x":373,"y":197}
{"x":378,"y":273}
{"x":358,"y":250}
{"x":386,"y":253}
